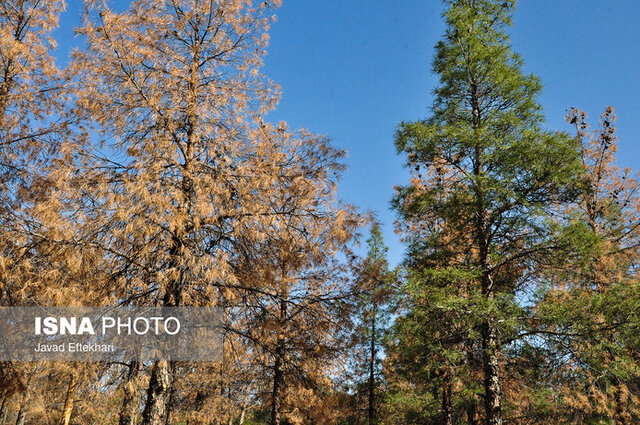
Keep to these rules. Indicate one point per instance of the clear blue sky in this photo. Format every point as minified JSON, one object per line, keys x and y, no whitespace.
{"x":353,"y":69}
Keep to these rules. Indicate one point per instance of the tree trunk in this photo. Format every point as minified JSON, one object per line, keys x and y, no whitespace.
{"x":372,"y":361}
{"x":22,"y":414}
{"x":3,"y":411}
{"x":129,"y":409}
{"x":243,"y":413}
{"x":231,"y":407}
{"x":155,"y":409}
{"x":492,"y":394}
{"x":471,"y":404}
{"x":447,"y":410}
{"x":167,"y":420}
{"x":492,"y":391}
{"x":471,"y":414}
{"x":245,"y":405}
{"x":277,"y":387}
{"x":159,"y":392}
{"x":278,"y":375}
{"x":68,"y":401}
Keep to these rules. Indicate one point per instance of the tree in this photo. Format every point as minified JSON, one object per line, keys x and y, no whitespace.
{"x":483,"y":163}
{"x":589,"y":312}
{"x":34,"y":131}
{"x":296,"y":318}
{"x":30,"y":91}
{"x":432,"y":348}
{"x":174,"y":87}
{"x":32,"y":121}
{"x":196,"y":195}
{"x":372,"y":289}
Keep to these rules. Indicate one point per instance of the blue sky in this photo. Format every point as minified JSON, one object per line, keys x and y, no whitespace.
{"x":353,"y":69}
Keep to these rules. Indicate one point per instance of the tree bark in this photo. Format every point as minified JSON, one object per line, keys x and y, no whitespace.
{"x":278,"y":375}
{"x":155,"y":410}
{"x":245,"y":405}
{"x":65,"y":419}
{"x":167,"y":420}
{"x":3,"y":411}
{"x":243,"y":414}
{"x":492,"y":392}
{"x":22,"y":414}
{"x":277,"y":384}
{"x":471,"y":404}
{"x":128,"y":411}
{"x":159,"y":393}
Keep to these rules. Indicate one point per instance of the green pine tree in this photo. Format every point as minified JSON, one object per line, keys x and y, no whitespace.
{"x":485,"y":176}
{"x":372,"y":288}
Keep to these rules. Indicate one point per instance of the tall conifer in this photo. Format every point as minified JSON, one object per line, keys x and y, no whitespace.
{"x":485,"y":175}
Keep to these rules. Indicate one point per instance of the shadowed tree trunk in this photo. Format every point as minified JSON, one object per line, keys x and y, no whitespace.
{"x":22,"y":414}
{"x":278,"y":375}
{"x":129,"y":409}
{"x":3,"y":411}
{"x":172,"y":390}
{"x":277,"y":388}
{"x":471,"y":414}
